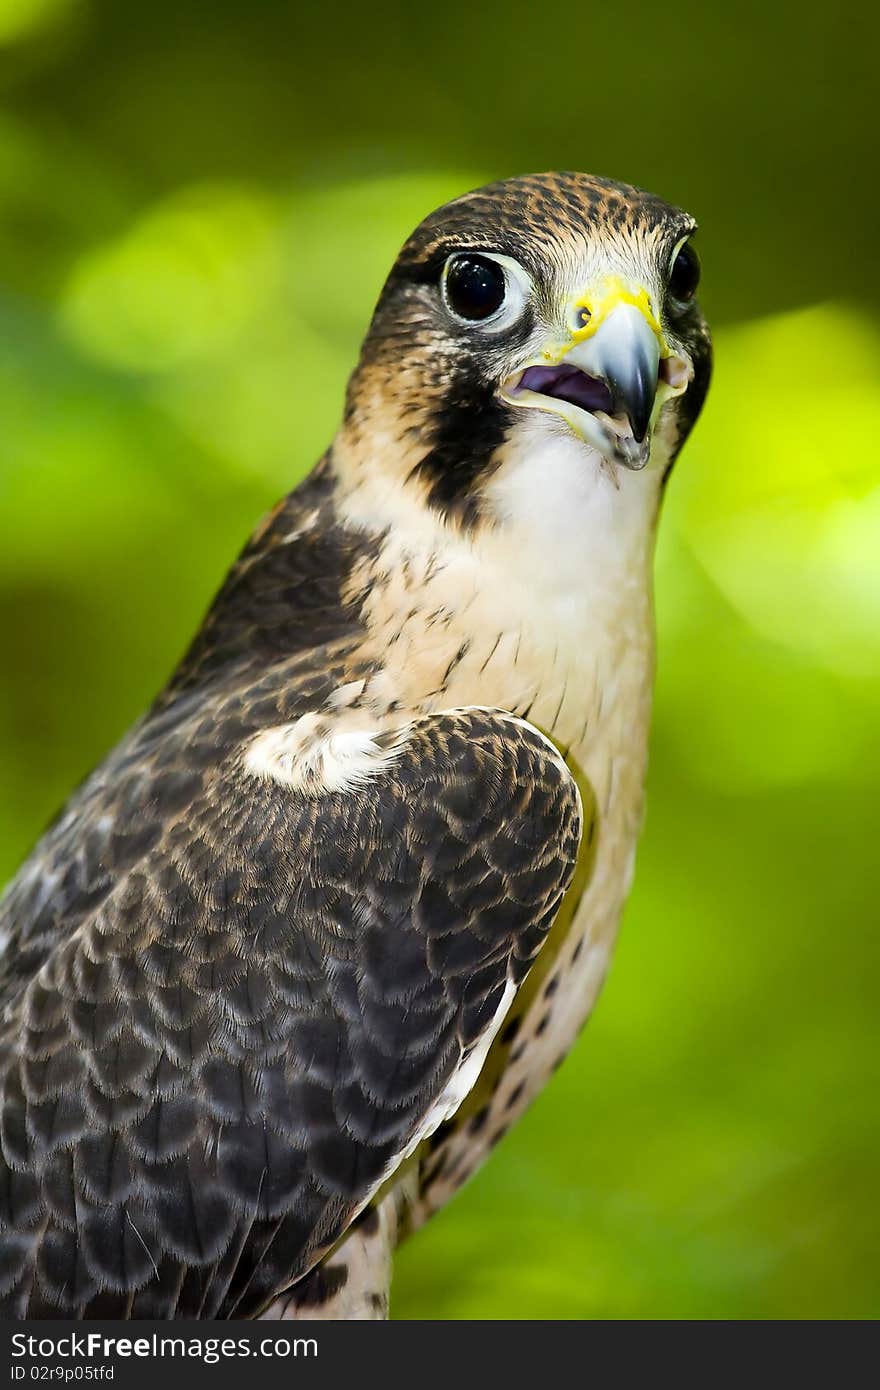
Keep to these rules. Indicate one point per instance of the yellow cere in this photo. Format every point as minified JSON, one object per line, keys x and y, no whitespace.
{"x":606,"y":296}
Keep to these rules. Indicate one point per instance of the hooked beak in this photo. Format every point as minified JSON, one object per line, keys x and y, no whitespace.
{"x":613,"y":377}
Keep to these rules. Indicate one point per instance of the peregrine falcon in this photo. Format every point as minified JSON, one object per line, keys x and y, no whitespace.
{"x":316,"y":932}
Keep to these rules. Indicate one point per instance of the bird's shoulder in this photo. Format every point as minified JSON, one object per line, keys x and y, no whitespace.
{"x":276,"y":640}
{"x":289,"y":593}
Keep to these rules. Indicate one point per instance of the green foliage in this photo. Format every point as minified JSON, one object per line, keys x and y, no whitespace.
{"x":195,"y":226}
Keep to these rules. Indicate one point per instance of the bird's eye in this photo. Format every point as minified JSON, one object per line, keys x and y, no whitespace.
{"x":684,"y":275}
{"x":474,"y":286}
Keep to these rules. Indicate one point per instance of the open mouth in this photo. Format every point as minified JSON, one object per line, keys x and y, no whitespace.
{"x":615,"y":422}
{"x":589,"y":406}
{"x":568,"y":383}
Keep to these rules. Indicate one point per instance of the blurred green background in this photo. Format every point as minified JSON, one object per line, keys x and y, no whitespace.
{"x":197,"y":207}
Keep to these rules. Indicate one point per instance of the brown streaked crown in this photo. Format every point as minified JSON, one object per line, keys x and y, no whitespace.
{"x":530,"y":217}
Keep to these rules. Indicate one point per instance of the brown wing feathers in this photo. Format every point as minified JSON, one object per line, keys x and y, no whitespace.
{"x":249,"y":1021}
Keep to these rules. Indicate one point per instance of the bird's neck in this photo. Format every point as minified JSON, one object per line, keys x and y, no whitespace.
{"x":545,"y":609}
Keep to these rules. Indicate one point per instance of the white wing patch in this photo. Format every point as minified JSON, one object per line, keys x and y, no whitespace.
{"x":315,"y":756}
{"x":464,"y":1078}
{"x":459,"y":1085}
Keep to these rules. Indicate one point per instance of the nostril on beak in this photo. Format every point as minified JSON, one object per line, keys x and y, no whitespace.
{"x":582,"y":317}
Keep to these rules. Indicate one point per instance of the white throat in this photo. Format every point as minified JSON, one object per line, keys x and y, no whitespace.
{"x":579,"y":530}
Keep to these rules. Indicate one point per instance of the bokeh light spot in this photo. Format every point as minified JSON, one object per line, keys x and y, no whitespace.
{"x":181,"y":284}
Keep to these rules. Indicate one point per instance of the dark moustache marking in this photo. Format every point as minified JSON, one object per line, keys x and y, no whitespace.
{"x":467,"y":430}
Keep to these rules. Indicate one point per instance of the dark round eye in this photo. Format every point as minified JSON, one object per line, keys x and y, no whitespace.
{"x":475,"y":286}
{"x":685,"y":274}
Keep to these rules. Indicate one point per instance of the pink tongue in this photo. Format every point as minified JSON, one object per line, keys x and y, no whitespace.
{"x":568,"y":384}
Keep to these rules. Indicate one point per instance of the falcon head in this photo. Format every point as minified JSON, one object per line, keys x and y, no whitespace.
{"x":535,"y":310}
